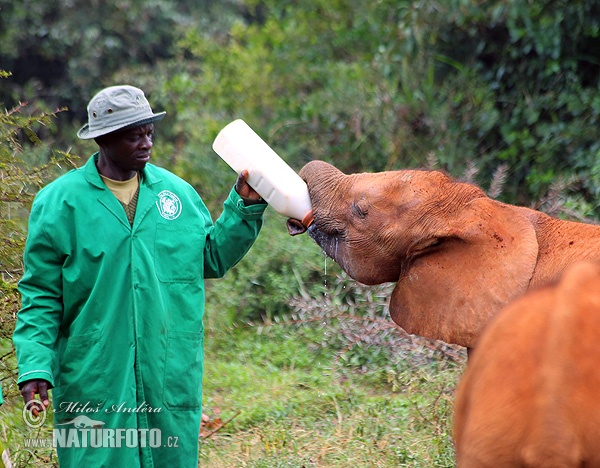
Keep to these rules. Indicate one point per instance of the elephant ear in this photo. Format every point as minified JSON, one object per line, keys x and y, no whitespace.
{"x":485,"y":258}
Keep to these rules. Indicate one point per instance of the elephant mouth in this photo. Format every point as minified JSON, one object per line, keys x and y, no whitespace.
{"x":330,"y":243}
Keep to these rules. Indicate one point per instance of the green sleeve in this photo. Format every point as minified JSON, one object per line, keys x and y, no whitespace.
{"x":38,"y":320}
{"x":232,"y":235}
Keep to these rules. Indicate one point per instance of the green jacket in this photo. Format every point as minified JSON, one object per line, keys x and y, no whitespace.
{"x":112,"y":314}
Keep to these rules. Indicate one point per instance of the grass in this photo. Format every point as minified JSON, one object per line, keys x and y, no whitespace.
{"x":292,"y":403}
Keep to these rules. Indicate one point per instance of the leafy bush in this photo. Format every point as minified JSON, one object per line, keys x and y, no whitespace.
{"x":21,"y":175}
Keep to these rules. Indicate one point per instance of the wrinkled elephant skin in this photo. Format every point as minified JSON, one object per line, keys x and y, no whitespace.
{"x":457,"y":256}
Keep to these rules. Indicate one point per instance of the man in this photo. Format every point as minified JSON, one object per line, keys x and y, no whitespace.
{"x":113,"y":295}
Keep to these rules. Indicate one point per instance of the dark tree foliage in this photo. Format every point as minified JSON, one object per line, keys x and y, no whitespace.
{"x":542,"y":62}
{"x":61,"y":51}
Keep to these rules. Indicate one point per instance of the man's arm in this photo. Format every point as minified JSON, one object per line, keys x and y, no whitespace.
{"x":38,"y":320}
{"x":235,"y":230}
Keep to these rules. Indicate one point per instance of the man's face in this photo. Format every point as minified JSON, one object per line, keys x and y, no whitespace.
{"x":123,"y":153}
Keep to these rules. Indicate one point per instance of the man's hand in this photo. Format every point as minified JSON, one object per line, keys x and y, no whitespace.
{"x":243,"y":189}
{"x":28,"y":391}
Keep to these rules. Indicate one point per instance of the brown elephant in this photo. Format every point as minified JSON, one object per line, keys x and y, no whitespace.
{"x":529,"y":396}
{"x":457,"y":256}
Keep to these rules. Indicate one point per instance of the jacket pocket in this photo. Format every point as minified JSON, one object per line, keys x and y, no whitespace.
{"x":184,"y":366}
{"x":179,"y":253}
{"x":80,"y":380}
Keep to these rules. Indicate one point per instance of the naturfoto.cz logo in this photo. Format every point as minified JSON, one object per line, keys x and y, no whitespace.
{"x":103,"y":438}
{"x":85,"y":432}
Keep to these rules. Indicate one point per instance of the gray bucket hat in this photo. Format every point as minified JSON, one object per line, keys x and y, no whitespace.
{"x":117,"y":108}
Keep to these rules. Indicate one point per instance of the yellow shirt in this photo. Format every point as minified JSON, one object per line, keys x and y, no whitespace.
{"x":124,"y":190}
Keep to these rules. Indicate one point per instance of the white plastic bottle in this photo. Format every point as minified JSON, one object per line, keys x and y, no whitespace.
{"x":276,"y":182}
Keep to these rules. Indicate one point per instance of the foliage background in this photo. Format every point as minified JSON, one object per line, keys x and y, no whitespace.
{"x":505,"y":87}
{"x":365,"y":85}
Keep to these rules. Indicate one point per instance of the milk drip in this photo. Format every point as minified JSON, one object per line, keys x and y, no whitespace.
{"x":276,"y":182}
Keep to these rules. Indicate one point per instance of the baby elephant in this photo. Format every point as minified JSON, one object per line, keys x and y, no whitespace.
{"x":530,"y":396}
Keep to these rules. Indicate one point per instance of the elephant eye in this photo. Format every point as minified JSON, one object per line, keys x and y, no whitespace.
{"x":360,"y":208}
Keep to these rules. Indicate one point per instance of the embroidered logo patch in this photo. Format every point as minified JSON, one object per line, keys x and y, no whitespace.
{"x":169,"y":205}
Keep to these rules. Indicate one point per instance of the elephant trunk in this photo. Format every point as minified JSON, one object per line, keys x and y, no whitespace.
{"x":320,"y":178}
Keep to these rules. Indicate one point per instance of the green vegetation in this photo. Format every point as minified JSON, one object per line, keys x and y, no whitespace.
{"x":503,"y":93}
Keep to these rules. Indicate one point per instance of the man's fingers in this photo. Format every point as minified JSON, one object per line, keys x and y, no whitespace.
{"x":43,"y":390}
{"x":243,"y":188}
{"x":241,"y":182}
{"x":28,"y":391}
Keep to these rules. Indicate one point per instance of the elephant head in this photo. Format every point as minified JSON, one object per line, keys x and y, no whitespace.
{"x":457,"y":256}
